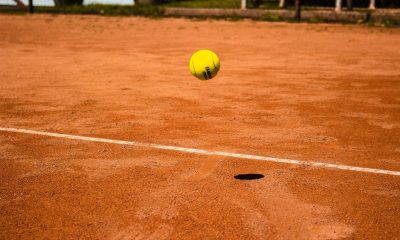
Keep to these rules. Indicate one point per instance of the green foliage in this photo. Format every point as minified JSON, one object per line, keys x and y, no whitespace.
{"x":99,"y":9}
{"x":315,"y":20}
{"x":271,"y":18}
{"x":388,"y":23}
{"x":205,"y":4}
{"x":270,"y":5}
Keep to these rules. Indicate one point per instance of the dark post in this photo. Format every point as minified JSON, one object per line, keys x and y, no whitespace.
{"x":297,"y":14}
{"x":349,"y":5}
{"x":30,"y":6}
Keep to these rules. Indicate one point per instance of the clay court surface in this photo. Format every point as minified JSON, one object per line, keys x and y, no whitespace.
{"x":323,"y":93}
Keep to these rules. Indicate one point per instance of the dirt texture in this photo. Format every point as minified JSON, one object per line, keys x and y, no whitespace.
{"x":327,"y":93}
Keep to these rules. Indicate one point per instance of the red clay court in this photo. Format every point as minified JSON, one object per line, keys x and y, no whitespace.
{"x":104,"y":134}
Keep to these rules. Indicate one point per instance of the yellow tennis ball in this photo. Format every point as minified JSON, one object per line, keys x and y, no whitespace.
{"x":204,"y":64}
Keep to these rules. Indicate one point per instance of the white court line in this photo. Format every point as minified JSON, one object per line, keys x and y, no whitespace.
{"x":205,"y":152}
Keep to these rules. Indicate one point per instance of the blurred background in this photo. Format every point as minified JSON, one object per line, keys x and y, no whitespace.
{"x":207,"y":3}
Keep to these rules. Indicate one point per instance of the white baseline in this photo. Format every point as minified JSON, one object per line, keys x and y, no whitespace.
{"x":204,"y":152}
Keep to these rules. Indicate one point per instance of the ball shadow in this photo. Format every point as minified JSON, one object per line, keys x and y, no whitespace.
{"x":249,"y":176}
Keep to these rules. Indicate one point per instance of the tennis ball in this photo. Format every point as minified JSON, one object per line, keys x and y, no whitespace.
{"x":204,"y":64}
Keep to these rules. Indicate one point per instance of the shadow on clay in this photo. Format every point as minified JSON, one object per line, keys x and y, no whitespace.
{"x":249,"y":176}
